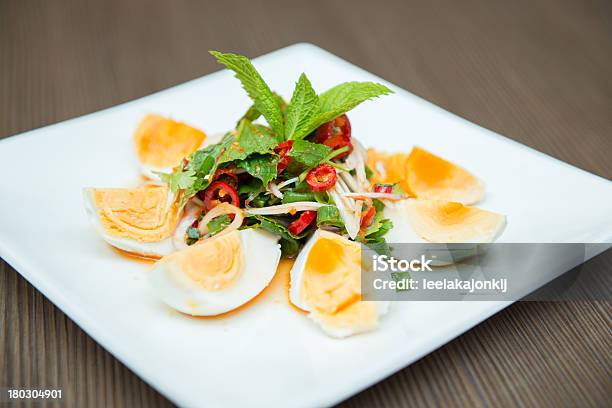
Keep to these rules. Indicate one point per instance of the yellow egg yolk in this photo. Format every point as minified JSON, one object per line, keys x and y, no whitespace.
{"x":214,"y":264}
{"x":331,"y":278}
{"x":432,"y":177}
{"x":425,"y":176}
{"x":141,"y":214}
{"x":163,"y":143}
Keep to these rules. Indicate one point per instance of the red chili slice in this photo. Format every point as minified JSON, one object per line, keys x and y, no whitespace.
{"x":336,"y":134}
{"x":383,"y":188}
{"x":228,"y":176}
{"x":306,"y":218}
{"x":321,"y":178}
{"x":220,"y":192}
{"x":282,"y":149}
{"x":367,"y":217}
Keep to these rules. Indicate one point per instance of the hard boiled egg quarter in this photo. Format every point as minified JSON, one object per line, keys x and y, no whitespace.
{"x":326,"y":282}
{"x":140,"y":221}
{"x":217,"y":274}
{"x":162,"y":143}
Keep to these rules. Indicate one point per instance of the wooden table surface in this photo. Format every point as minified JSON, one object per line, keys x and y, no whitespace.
{"x":536,"y":71}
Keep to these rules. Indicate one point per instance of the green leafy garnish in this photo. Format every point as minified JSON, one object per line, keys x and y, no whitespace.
{"x":178,"y":180}
{"x":256,"y":139}
{"x":261,"y":166}
{"x":290,"y":244}
{"x":346,"y":96}
{"x":329,"y":215}
{"x":251,"y":186}
{"x":302,"y":109}
{"x":309,"y":154}
{"x":263,"y":99}
{"x":294,"y":196}
{"x":218,"y":224}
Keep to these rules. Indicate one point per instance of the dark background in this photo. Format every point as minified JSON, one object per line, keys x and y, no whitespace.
{"x":539,"y":72}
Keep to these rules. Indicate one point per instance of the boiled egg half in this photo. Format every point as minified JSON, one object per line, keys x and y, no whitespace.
{"x":140,"y":221}
{"x":326,"y":283}
{"x":218,"y":274}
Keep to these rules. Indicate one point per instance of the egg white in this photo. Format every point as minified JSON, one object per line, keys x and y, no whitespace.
{"x":146,"y":249}
{"x":403,"y":232}
{"x":261,"y":253}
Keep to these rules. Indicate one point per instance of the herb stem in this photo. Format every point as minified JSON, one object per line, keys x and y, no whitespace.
{"x":337,"y":166}
{"x":335,"y":153}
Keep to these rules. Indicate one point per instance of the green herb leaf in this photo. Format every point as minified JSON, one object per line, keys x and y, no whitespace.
{"x":261,"y":166}
{"x":293,"y":197}
{"x":256,"y":139}
{"x":249,"y":139}
{"x":251,"y":186}
{"x":257,"y":89}
{"x":329,"y":215}
{"x":344,"y":97}
{"x":302,"y":109}
{"x":180,"y":179}
{"x":252,"y":114}
{"x":290,"y":243}
{"x":218,"y":224}
{"x":308,"y":153}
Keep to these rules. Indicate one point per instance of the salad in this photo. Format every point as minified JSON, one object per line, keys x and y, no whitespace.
{"x":289,"y":179}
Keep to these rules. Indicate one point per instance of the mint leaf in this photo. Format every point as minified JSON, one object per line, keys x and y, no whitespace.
{"x":252,"y":114}
{"x":264,"y":100}
{"x":257,"y":139}
{"x":261,"y":166}
{"x":308,"y":153}
{"x":344,"y":97}
{"x":234,"y":150}
{"x":250,"y":139}
{"x":302,"y":109}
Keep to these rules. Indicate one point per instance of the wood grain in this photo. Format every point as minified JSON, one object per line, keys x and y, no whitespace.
{"x":536,"y":71}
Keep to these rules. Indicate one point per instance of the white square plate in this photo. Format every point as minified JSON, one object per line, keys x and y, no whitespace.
{"x":269,"y":354}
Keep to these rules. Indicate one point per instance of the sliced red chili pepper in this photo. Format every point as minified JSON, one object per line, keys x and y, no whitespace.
{"x":321,"y":178}
{"x":368,"y":217}
{"x":383,"y":188}
{"x":282,"y":149}
{"x":306,"y":218}
{"x":336,"y":134}
{"x":220,"y":192}
{"x":228,"y":176}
